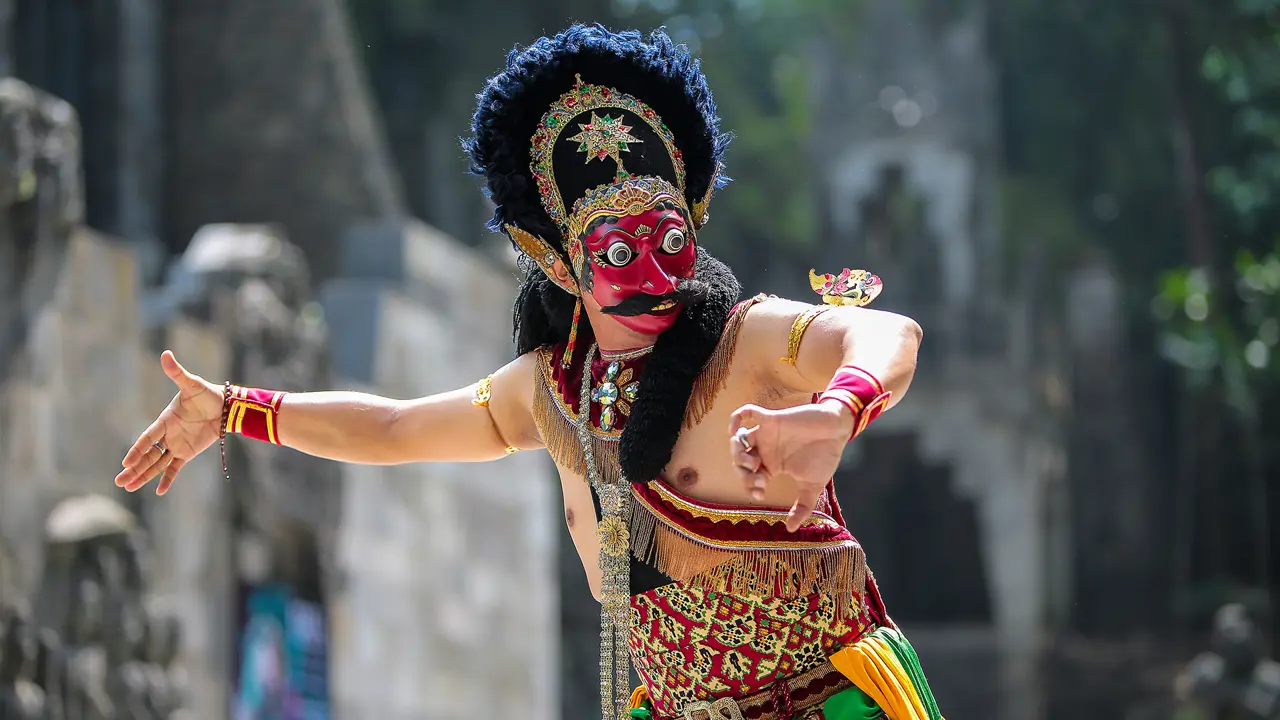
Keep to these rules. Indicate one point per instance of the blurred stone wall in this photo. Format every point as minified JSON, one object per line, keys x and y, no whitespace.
{"x":440,"y":580}
{"x":270,"y":120}
{"x":449,"y":606}
{"x":79,"y":382}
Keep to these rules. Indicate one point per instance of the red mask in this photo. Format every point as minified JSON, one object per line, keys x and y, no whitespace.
{"x":633,"y":262}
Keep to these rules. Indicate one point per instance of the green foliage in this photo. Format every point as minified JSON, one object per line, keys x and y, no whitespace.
{"x":1205,"y":330}
{"x":1199,"y":335}
{"x":1244,"y":65}
{"x":1085,"y":114}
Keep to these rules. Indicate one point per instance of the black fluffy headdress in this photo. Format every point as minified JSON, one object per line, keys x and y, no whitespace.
{"x":656,"y":70}
{"x":667,"y":79}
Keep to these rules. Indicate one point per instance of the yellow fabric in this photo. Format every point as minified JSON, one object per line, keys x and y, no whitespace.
{"x":872,"y":665}
{"x":638,"y":696}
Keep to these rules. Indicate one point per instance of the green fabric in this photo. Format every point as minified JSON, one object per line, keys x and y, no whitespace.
{"x":851,"y":704}
{"x":911,"y":663}
{"x":644,"y":712}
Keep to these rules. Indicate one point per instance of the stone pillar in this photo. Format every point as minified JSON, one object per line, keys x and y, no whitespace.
{"x":448,"y":603}
{"x":139,"y":142}
{"x":73,"y":404}
{"x":269,"y":120}
{"x":1012,"y":510}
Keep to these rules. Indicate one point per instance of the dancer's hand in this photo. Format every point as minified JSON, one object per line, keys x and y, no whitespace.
{"x":186,"y":427}
{"x":804,"y":443}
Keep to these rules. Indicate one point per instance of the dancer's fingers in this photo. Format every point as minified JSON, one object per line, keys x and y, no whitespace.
{"x":143,"y":477}
{"x":137,"y":457}
{"x":170,"y":474}
{"x":803,"y":508}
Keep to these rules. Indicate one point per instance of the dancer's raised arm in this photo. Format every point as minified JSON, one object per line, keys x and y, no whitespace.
{"x":484,"y":421}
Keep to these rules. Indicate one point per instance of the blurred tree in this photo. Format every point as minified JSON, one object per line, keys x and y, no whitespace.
{"x":1089,"y":173}
{"x":1221,"y":326}
{"x":1148,"y":131}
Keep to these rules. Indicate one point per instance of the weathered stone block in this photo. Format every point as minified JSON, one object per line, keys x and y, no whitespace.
{"x":251,"y":155}
{"x":450,"y":578}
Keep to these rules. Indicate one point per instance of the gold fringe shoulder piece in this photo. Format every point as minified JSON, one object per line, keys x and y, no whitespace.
{"x":716,"y":372}
{"x":556,"y":424}
{"x":558,"y":432}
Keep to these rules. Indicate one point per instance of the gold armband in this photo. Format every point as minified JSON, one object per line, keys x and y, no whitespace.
{"x":484,"y":391}
{"x":797,"y":332}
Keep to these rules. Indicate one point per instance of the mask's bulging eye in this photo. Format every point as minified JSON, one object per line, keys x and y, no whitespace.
{"x":674,"y":241}
{"x":619,"y":254}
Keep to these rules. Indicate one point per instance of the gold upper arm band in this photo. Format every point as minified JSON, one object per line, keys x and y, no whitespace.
{"x":484,"y":391}
{"x":797,"y":332}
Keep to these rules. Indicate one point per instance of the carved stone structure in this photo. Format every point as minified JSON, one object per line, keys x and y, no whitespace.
{"x":437,"y":582}
{"x":247,"y":125}
{"x":41,"y":203}
{"x":20,"y":697}
{"x":1234,"y":679}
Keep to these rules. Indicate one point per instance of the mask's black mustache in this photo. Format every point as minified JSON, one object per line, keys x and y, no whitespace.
{"x":689,"y":291}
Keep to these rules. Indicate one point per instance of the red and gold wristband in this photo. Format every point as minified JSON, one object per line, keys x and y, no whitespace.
{"x":254,"y":413}
{"x":861,"y":392}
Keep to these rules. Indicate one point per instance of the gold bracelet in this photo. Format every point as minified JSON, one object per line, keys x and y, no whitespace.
{"x":797,"y":332}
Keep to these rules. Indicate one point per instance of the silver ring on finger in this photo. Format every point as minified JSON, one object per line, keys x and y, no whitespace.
{"x":741,"y":435}
{"x":160,"y":446}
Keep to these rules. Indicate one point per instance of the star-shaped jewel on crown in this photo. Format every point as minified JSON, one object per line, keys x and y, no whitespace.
{"x":604,"y":137}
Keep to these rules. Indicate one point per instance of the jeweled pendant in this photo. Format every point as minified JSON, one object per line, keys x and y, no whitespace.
{"x":607,"y":418}
{"x":606,"y":394}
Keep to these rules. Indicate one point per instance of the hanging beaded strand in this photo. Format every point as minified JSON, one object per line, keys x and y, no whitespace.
{"x":222,"y":429}
{"x":615,"y":566}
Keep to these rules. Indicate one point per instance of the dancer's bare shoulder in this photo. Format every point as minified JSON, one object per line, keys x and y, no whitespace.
{"x":511,"y":402}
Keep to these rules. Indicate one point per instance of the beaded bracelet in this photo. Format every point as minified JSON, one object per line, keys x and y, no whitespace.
{"x":222,"y":428}
{"x":251,"y":412}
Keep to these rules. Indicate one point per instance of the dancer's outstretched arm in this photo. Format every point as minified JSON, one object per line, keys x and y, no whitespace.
{"x":457,"y":426}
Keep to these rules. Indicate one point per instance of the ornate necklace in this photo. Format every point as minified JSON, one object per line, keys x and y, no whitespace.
{"x":618,"y":388}
{"x":626,"y":354}
{"x":614,"y":539}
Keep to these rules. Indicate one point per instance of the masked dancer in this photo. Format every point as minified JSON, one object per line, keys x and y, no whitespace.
{"x":696,"y":435}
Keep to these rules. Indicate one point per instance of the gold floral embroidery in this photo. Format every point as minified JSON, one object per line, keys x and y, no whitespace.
{"x":684,"y":642}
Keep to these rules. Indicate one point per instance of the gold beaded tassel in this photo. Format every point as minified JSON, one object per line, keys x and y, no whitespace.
{"x":615,"y":567}
{"x":567,"y":360}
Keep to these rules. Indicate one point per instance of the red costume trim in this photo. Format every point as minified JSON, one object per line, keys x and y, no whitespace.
{"x":861,"y":392}
{"x":746,"y":550}
{"x":253,"y":413}
{"x":739,"y":528}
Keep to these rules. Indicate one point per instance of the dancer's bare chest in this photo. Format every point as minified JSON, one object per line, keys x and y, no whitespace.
{"x":700,"y":466}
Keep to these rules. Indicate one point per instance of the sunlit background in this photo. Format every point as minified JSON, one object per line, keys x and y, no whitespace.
{"x":1076,"y":200}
